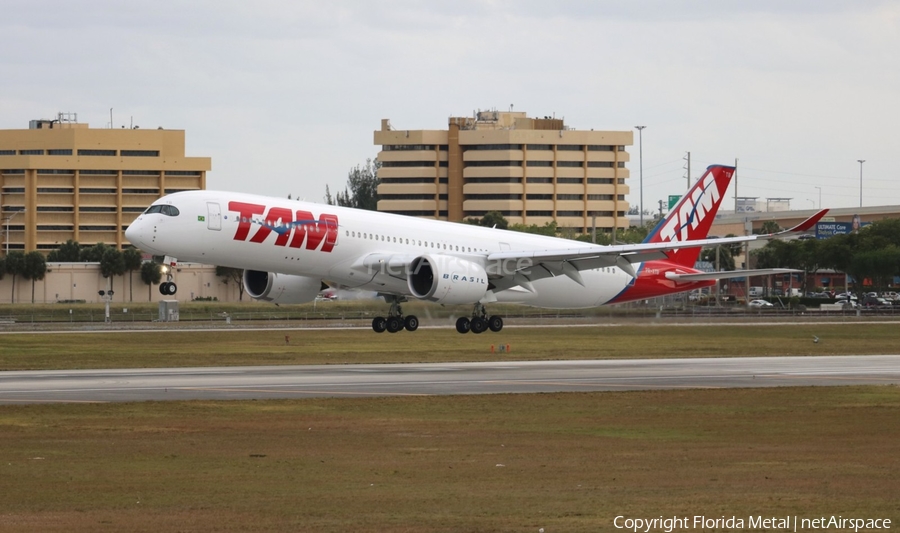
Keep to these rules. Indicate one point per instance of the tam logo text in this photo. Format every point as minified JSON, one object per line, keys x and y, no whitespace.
{"x":295,"y":229}
{"x":691,"y":212}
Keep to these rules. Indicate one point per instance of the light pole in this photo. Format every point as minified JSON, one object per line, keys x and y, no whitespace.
{"x":861,"y":161}
{"x":10,"y":217}
{"x":820,"y":197}
{"x":641,"y":159}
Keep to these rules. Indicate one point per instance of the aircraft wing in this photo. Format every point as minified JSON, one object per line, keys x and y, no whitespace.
{"x":523,"y":267}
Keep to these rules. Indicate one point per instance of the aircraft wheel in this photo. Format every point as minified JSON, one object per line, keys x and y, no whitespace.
{"x":463,"y":325}
{"x":479,"y":325}
{"x":394,"y":324}
{"x":495,"y":323}
{"x":172,"y":288}
{"x":379,"y":324}
{"x":164,"y":288}
{"x":411,"y":323}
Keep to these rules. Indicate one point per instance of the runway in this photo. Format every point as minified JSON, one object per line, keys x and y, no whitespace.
{"x":267,"y":382}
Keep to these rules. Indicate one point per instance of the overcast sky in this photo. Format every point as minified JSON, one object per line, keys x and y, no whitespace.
{"x":284,"y":96}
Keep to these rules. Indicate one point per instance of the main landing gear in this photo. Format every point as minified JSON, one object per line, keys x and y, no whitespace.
{"x":395,"y":320}
{"x":480,"y":322}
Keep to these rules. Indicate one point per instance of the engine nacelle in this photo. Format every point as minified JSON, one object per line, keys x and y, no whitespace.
{"x":446,"y":279}
{"x":281,"y":288}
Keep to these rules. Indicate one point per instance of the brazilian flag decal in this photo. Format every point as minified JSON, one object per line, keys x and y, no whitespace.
{"x":201,"y":218}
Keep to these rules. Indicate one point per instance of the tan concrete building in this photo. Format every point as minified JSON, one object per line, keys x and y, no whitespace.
{"x":532,"y":170}
{"x":61,"y":180}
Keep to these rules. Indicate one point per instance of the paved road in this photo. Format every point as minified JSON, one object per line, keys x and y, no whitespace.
{"x":220,"y":383}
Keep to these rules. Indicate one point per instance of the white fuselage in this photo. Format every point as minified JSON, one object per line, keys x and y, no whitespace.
{"x":360,"y":251}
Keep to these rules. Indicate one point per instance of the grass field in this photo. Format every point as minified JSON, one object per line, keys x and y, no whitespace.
{"x":180,"y":348}
{"x":562,"y":462}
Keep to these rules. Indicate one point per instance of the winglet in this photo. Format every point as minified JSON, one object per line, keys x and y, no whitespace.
{"x":806,"y":225}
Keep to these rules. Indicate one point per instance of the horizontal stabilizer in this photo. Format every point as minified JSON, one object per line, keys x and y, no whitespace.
{"x":706,"y":276}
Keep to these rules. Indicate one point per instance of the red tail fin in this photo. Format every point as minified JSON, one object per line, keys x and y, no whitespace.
{"x":692,"y":217}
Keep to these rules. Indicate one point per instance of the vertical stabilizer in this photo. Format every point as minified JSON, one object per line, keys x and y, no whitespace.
{"x":692,"y":217}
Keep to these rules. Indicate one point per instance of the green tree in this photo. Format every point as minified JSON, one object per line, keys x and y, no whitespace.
{"x":133,"y":260}
{"x":35,"y":269}
{"x":151,"y":274}
{"x":879,"y":265}
{"x":112,"y":264}
{"x":15,"y":265}
{"x":361,"y":191}
{"x":68,"y":252}
{"x":549,"y":229}
{"x":232,"y":274}
{"x":94,"y":253}
{"x":489,"y":220}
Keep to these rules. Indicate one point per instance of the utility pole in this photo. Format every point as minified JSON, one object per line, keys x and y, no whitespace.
{"x":736,"y":192}
{"x":861,"y":161}
{"x":688,"y":176}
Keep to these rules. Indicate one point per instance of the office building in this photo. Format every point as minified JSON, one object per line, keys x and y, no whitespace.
{"x":60,"y":180}
{"x":531,"y":170}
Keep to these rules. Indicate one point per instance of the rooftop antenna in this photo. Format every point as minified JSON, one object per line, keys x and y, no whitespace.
{"x":110,"y":118}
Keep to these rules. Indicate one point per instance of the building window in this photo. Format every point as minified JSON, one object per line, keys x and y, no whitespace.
{"x":493,"y":197}
{"x":95,"y":190}
{"x":408,"y":180}
{"x":538,"y":196}
{"x":600,"y":164}
{"x":66,"y":151}
{"x":538,"y":180}
{"x":32,"y":152}
{"x":407,"y":147}
{"x":96,"y":228}
{"x":140,"y":191}
{"x":54,"y":209}
{"x":569,"y":180}
{"x":94,"y":209}
{"x":98,"y":172}
{"x":54,"y":171}
{"x":604,"y":181}
{"x":482,"y":213}
{"x":494,"y":147}
{"x":406,"y":196}
{"x":539,"y":146}
{"x":97,"y":152}
{"x":569,"y":213}
{"x":7,"y":152}
{"x":600,"y":148}
{"x":407,"y":164}
{"x":600,"y":197}
{"x":154,"y":173}
{"x":570,"y":197}
{"x":140,"y":153}
{"x":493,"y":180}
{"x":183,"y":173}
{"x":569,"y":147}
{"x":13,"y":190}
{"x":539,"y":213}
{"x":540,"y":163}
{"x":600,"y":213}
{"x":13,"y":171}
{"x":621,"y":164}
{"x":66,"y":190}
{"x":54,"y":228}
{"x":494,"y":164}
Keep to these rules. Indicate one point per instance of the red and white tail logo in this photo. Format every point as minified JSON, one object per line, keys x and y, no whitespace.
{"x":692,"y":217}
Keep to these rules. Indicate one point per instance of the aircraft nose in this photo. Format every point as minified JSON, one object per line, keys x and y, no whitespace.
{"x":135,"y":233}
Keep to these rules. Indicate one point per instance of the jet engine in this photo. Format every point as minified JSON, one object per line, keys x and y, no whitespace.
{"x":446,"y":279}
{"x":281,"y":288}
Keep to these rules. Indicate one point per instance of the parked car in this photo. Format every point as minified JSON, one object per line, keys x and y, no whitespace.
{"x":759,"y":304}
{"x":872,"y":302}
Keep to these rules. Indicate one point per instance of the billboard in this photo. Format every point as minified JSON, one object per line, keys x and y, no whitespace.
{"x":830,"y":229}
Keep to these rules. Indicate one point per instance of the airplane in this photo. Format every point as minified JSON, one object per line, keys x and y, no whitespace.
{"x":291,"y":250}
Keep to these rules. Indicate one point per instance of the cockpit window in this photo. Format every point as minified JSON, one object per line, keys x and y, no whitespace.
{"x":168,"y":210}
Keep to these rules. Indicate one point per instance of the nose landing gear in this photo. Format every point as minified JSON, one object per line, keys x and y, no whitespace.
{"x":168,"y":287}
